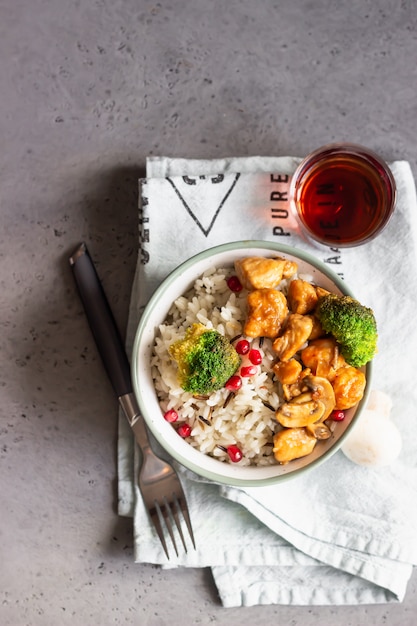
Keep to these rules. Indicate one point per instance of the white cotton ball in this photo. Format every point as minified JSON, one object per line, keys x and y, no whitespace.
{"x":375,"y":441}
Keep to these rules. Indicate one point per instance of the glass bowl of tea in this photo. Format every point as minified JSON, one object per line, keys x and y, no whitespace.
{"x":344,"y":194}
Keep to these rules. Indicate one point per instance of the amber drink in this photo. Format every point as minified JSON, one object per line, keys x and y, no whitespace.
{"x":343,"y":194}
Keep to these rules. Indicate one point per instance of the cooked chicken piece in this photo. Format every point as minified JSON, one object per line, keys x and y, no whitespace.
{"x":321,"y":292}
{"x":349,"y":386}
{"x":317,"y":330}
{"x":292,"y":443}
{"x":297,"y":331}
{"x":323,"y":358}
{"x":261,"y":273}
{"x":287,"y":372}
{"x":302,"y":296}
{"x":267,"y":310}
{"x":290,"y":267}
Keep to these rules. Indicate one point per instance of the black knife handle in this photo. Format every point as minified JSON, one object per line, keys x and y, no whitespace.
{"x":101,"y":320}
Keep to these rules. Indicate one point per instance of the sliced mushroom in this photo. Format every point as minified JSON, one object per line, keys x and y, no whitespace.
{"x":322,"y":391}
{"x":319,"y":430}
{"x":292,"y":443}
{"x":311,"y":406}
{"x":294,"y":389}
{"x":304,"y":397}
{"x":300,"y":411}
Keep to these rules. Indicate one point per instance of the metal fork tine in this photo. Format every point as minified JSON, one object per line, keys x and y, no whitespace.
{"x":165,"y":510}
{"x":155,"y":513}
{"x":175,"y":511}
{"x":184,"y":508}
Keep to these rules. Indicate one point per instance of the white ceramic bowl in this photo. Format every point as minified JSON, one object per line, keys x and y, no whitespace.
{"x":178,"y":282}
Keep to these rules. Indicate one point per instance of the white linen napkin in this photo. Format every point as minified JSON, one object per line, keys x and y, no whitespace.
{"x":342,"y":534}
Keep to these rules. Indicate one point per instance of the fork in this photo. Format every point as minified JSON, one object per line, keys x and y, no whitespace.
{"x":158,"y":482}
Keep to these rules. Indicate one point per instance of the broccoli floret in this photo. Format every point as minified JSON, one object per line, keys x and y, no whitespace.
{"x":206,"y":360}
{"x":352,"y":324}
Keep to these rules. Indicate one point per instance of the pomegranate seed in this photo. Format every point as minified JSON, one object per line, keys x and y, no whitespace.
{"x":171,"y":415}
{"x":184,"y":430}
{"x":234,"y":284}
{"x":255,"y":357}
{"x":338,"y":416}
{"x":242,"y":346}
{"x":234,"y":383}
{"x":248,"y":370}
{"x":235,"y":454}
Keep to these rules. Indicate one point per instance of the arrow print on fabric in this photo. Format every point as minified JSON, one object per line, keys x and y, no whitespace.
{"x":203,"y":205}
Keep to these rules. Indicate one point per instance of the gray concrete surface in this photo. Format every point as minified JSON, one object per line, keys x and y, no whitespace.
{"x":88,"y":89}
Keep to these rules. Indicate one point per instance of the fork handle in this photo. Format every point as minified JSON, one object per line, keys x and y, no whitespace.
{"x":101,"y":320}
{"x":108,"y":340}
{"x":131,"y":410}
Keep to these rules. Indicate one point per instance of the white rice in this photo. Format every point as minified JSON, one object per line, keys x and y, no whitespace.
{"x":248,"y":419}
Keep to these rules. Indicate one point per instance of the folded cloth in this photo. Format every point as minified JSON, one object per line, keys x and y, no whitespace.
{"x":341,"y":534}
